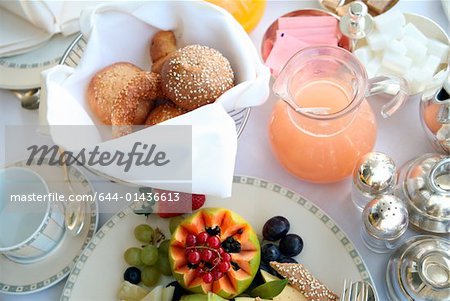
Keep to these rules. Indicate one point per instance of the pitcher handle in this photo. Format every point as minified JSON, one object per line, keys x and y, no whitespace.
{"x":392,"y":85}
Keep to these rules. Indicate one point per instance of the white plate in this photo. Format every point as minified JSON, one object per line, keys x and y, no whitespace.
{"x":327,"y":253}
{"x":23,"y":71}
{"x":16,"y":278}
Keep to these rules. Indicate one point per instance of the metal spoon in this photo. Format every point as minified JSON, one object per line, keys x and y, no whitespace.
{"x":75,"y":212}
{"x":28,"y":98}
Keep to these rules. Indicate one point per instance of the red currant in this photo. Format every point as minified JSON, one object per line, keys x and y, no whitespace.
{"x":223,"y":266}
{"x":190,"y":240}
{"x":200,"y":272}
{"x":207,"y":278}
{"x":202,"y":238}
{"x":226,"y":257}
{"x":193,"y":257}
{"x":207,"y":255}
{"x":213,"y":242}
{"x":216,"y":274}
{"x":221,"y":250}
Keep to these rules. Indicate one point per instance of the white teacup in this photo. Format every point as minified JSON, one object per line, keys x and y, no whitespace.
{"x":28,"y":229}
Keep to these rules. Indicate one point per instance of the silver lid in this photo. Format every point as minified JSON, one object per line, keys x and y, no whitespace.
{"x":375,"y":173}
{"x":385,"y":217}
{"x":425,"y":184}
{"x":357,"y":23}
{"x":420,"y":270}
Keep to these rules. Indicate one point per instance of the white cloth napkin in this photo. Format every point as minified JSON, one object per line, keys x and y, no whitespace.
{"x":25,"y":24}
{"x":122,"y":32}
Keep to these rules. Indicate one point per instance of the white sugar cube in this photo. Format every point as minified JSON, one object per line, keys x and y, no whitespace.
{"x":431,"y":64}
{"x":377,"y":41}
{"x":373,"y":66}
{"x":411,"y":31}
{"x":396,"y":63}
{"x":438,"y":49}
{"x":394,"y":33}
{"x":397,"y":47}
{"x":390,"y":21}
{"x":363,"y":54}
{"x":415,"y":49}
{"x":417,"y":79}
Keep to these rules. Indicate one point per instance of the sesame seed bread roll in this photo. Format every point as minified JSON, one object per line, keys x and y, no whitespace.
{"x":143,"y":88}
{"x":302,"y":280}
{"x":164,"y":112}
{"x":105,"y":86}
{"x":195,"y":76}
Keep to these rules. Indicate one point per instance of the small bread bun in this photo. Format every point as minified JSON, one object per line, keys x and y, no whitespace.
{"x":162,"y":45}
{"x":164,"y":112}
{"x":196,"y":75}
{"x":143,"y":89}
{"x":105,"y":86}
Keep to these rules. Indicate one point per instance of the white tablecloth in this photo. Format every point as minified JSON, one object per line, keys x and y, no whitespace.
{"x":401,"y":137}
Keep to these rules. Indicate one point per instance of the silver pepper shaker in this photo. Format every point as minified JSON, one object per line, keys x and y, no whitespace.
{"x":357,"y":23}
{"x":375,"y":173}
{"x":385,"y":220}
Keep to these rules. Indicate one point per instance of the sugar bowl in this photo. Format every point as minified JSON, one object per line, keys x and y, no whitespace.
{"x":425,"y":187}
{"x":420,"y":270}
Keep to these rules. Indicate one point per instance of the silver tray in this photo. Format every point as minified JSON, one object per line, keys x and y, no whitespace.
{"x":72,"y":57}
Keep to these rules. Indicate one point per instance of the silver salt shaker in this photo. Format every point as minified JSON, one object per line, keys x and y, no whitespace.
{"x":385,"y":220}
{"x":375,"y":173}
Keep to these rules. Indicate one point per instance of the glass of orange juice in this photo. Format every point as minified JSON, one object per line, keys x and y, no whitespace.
{"x":323,"y":123}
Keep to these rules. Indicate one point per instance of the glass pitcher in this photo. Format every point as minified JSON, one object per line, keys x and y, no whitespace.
{"x":323,"y":122}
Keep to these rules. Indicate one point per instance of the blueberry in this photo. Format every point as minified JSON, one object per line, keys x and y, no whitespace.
{"x":285,"y":259}
{"x":270,"y":252}
{"x":291,"y":245}
{"x":132,"y":275}
{"x":276,"y":228}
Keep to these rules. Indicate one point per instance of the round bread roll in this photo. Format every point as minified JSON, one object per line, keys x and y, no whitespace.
{"x":106,"y":85}
{"x":196,"y":75}
{"x":164,"y":112}
{"x":144,"y":87}
{"x":163,"y":43}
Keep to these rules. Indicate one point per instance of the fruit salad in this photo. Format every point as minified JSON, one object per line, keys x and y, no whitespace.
{"x":214,"y":254}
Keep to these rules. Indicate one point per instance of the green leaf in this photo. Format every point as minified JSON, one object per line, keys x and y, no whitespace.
{"x":145,"y":190}
{"x":270,"y":289}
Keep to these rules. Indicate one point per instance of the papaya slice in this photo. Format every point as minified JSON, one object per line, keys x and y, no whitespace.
{"x":215,"y":250}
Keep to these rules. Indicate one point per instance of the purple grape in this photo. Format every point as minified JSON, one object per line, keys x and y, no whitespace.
{"x":291,"y":245}
{"x":270,"y":252}
{"x":276,"y":228}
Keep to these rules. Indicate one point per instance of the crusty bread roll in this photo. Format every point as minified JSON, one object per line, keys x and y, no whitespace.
{"x":196,"y":75}
{"x":164,"y":112}
{"x":163,"y":44}
{"x":105,"y":86}
{"x":143,"y":88}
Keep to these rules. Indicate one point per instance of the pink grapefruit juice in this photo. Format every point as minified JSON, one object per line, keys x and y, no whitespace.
{"x":322,"y":149}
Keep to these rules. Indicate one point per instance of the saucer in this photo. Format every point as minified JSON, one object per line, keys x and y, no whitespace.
{"x":23,"y":71}
{"x":17,"y":278}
